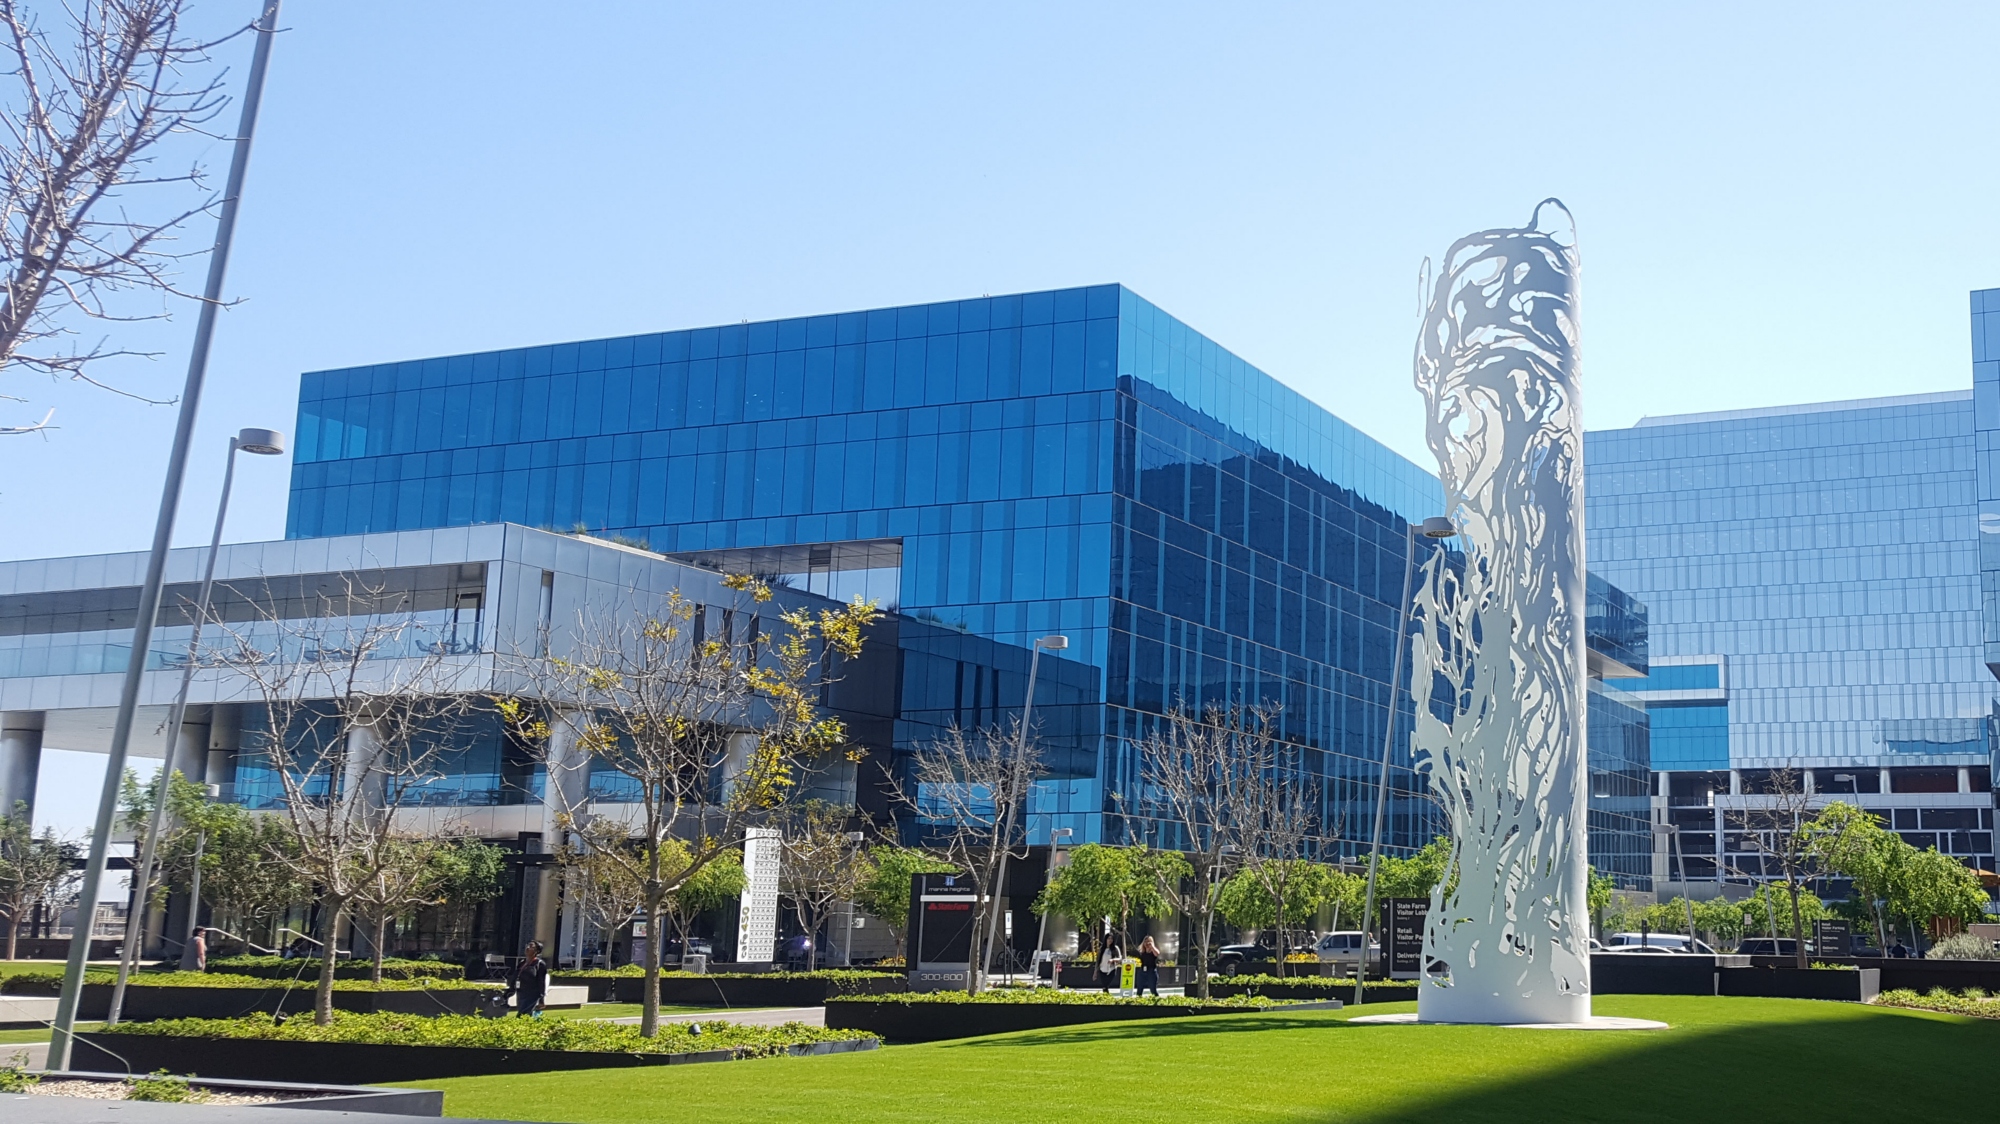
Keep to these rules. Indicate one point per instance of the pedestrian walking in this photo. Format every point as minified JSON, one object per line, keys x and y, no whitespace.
{"x":530,"y":983}
{"x":1149,"y":968}
{"x":1110,"y":963}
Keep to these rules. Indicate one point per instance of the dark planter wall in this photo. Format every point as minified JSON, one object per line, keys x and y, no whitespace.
{"x":1389,"y":992}
{"x":1917,"y":975}
{"x":346,"y":1063}
{"x":1857,"y":985}
{"x":1636,"y":973}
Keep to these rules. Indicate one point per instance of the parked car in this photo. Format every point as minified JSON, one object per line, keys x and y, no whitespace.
{"x":1767,"y":946}
{"x":1648,"y":942}
{"x":1235,"y":959}
{"x":671,"y":952}
{"x":1345,"y":948}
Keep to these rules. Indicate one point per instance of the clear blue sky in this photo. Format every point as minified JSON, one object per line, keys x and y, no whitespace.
{"x":1777,"y":203}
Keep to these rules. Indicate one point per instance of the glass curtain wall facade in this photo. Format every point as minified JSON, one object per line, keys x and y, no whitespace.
{"x":1813,"y":580}
{"x":1074,"y":462}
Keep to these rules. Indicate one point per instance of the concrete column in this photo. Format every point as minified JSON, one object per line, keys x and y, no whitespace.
{"x":565,"y":793}
{"x":1885,"y":779}
{"x":225,"y":738}
{"x":20,"y":759}
{"x":191,"y":756}
{"x":1964,"y":779}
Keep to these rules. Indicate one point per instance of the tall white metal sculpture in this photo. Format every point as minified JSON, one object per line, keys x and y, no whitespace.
{"x":1500,"y":714}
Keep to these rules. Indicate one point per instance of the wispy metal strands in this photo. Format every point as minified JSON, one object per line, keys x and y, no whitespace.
{"x":1501,"y":628}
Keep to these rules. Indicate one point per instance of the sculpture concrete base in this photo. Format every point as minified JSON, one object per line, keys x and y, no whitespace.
{"x":1595,"y":1022}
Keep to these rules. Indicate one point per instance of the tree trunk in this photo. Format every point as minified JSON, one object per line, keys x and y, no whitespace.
{"x":381,"y":923}
{"x":334,"y":911}
{"x":1798,"y":926}
{"x":649,"y":1014}
{"x":1279,"y":900}
{"x":812,"y":944}
{"x":13,"y":931}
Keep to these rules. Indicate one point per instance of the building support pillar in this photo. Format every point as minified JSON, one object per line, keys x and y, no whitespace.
{"x":565,"y":795}
{"x":20,"y":759}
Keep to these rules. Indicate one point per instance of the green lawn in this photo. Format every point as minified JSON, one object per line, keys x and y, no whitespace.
{"x":1742,"y":1059}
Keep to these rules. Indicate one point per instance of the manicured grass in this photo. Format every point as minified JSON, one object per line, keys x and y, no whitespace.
{"x":1747,"y":1059}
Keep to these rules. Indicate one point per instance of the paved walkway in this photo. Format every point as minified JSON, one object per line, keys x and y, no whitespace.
{"x":747,"y":1016}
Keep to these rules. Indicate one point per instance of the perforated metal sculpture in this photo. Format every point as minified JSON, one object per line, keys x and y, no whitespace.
{"x":1501,"y":731}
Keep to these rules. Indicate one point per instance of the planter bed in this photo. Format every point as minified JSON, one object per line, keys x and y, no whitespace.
{"x":751,"y":990}
{"x":312,"y":1095}
{"x":305,"y":968}
{"x":898,"y":1021}
{"x":1653,"y":973}
{"x":1854,"y":985}
{"x":1084,"y":978}
{"x":1912,"y":974}
{"x":1378,"y":992}
{"x":222,"y":1000}
{"x":271,"y":1053}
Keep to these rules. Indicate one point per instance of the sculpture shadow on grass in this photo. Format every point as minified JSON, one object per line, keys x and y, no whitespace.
{"x":1876,"y":1067}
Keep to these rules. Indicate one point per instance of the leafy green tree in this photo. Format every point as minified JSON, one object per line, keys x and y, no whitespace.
{"x":717,"y":883}
{"x":1247,"y":902}
{"x":33,"y":868}
{"x":1101,"y":881}
{"x":246,"y":873}
{"x":1414,"y":876}
{"x":1857,"y":845}
{"x":885,"y":893}
{"x":415,"y":871}
{"x":1935,"y":891}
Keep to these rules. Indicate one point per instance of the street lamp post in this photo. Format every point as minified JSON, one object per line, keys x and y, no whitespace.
{"x":1042,"y":937}
{"x":847,"y":932}
{"x":261,"y":443}
{"x":1054,"y":643}
{"x":1434,"y":527}
{"x":62,"y":1031}
{"x":1673,"y":833}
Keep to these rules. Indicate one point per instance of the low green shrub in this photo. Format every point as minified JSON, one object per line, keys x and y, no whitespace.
{"x":49,"y":983}
{"x":15,"y":1076}
{"x":1051,"y":996}
{"x":1973,"y":1002}
{"x":633,"y":971}
{"x":1315,"y":983}
{"x":1963,"y":946}
{"x":164,"y":1087}
{"x":279,"y":968}
{"x":501,"y":1034}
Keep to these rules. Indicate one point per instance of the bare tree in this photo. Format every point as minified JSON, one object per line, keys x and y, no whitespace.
{"x":1200,"y":792}
{"x":821,"y":865}
{"x":91,"y":103}
{"x":602,"y":882}
{"x":1283,"y":832}
{"x":358,"y":706}
{"x":34,"y":869}
{"x":711,"y":725}
{"x":967,"y":785}
{"x":420,"y":870}
{"x":1780,"y":830}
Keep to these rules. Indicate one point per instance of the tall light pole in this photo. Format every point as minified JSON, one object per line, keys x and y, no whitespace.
{"x":1042,"y":937}
{"x":1435,"y":527}
{"x":1673,"y":833}
{"x":163,"y":533}
{"x":1054,"y":643}
{"x":264,"y":443}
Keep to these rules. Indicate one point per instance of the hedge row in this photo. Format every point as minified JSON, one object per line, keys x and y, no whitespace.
{"x":1048,"y":996}
{"x":50,"y":983}
{"x":633,"y":971}
{"x":501,"y":1034}
{"x":279,"y":968}
{"x":1974,"y":1001}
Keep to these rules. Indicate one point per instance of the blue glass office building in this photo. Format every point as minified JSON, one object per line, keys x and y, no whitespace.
{"x":1074,"y":462}
{"x":1813,"y":576}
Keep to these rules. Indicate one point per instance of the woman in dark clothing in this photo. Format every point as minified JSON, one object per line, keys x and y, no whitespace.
{"x":1110,"y":964}
{"x":1149,"y":968}
{"x":530,"y":983}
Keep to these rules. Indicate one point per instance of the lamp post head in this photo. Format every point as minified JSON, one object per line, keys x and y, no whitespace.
{"x":263,"y":442}
{"x":1666,"y":829}
{"x":1437,"y":527}
{"x":1060,"y":833}
{"x":1053,"y":643}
